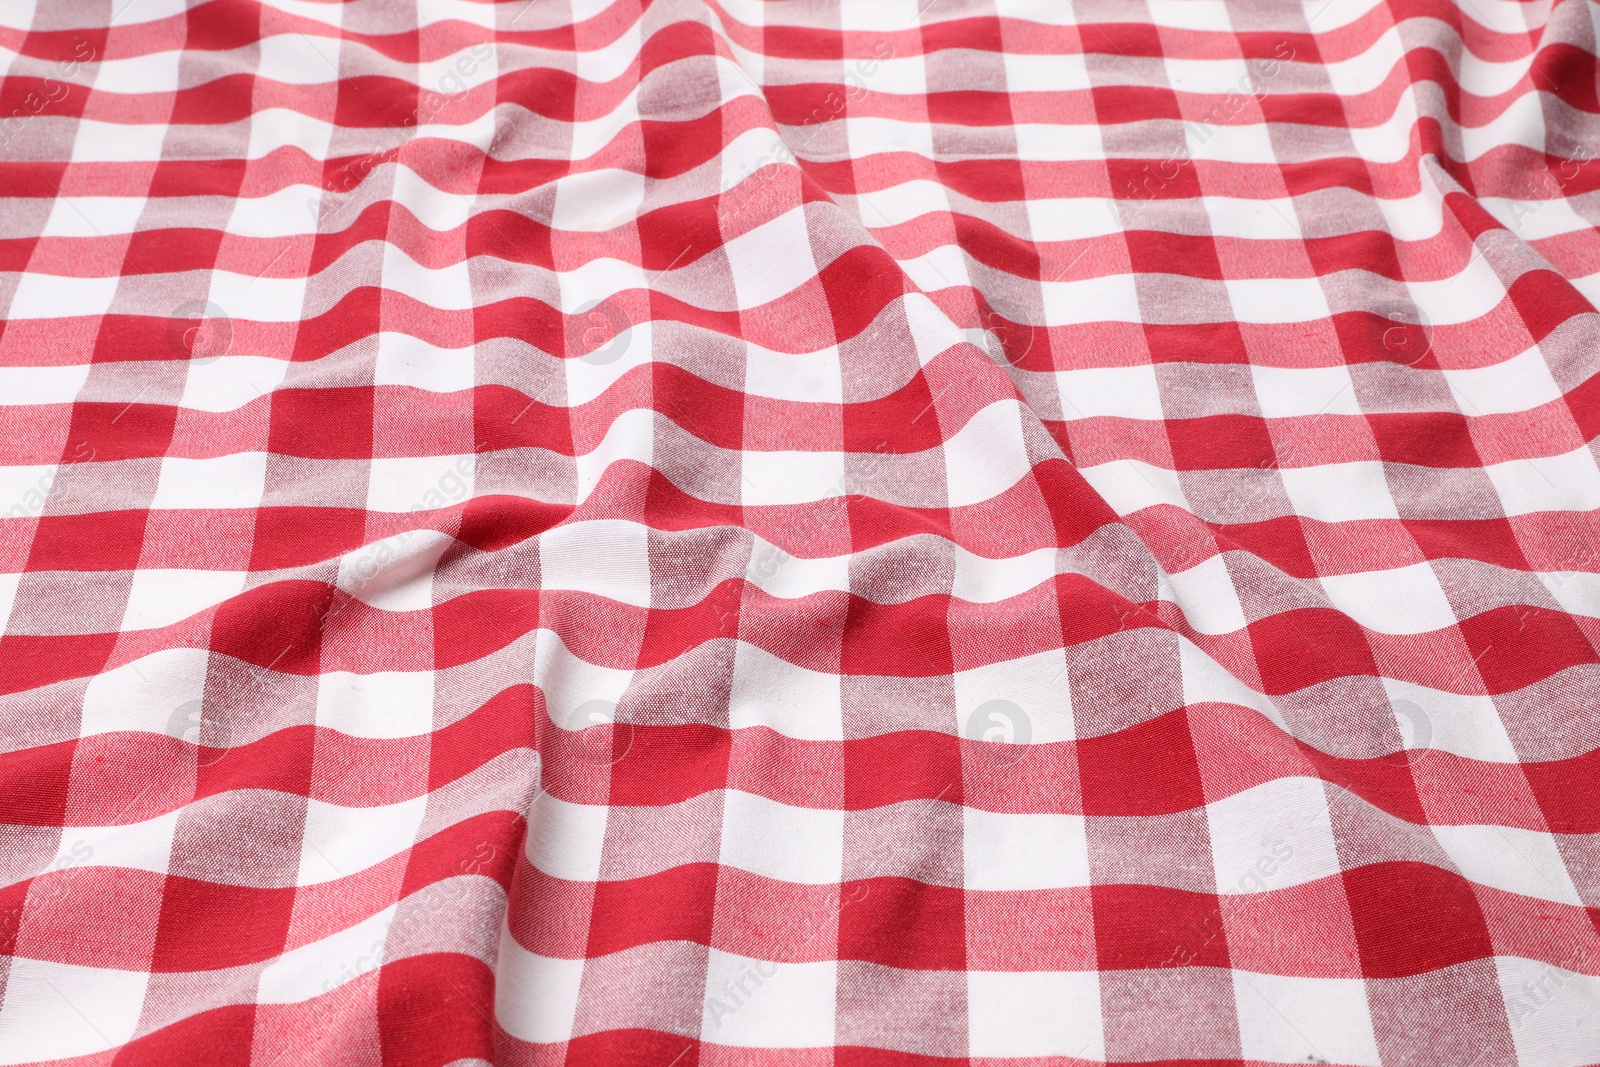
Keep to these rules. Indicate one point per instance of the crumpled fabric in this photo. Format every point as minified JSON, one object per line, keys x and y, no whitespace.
{"x":694,"y":533}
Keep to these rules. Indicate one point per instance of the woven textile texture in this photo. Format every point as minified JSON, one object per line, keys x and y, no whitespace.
{"x":706,"y":533}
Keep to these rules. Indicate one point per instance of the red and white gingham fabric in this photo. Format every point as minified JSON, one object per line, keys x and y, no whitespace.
{"x":883,"y":532}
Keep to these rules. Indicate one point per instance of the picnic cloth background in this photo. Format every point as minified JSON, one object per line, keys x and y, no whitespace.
{"x":716,"y":533}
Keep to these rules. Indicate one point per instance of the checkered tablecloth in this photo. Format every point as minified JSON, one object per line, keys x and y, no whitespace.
{"x":807,"y":533}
